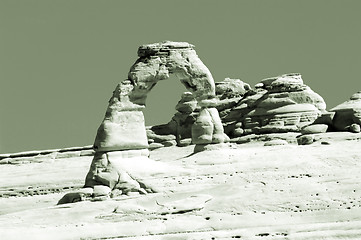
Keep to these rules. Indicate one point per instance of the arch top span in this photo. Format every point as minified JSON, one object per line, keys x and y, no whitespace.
{"x":123,"y":126}
{"x":159,"y":60}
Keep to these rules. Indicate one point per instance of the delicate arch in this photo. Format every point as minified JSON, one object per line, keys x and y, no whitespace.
{"x":123,"y":126}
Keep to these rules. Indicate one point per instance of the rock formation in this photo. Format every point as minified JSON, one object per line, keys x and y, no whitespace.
{"x":208,"y":113}
{"x":348,"y":114}
{"x":279,"y":104}
{"x":228,"y":94}
{"x":122,"y":134}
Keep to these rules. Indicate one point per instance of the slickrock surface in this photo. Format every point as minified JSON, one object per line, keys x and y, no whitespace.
{"x":246,"y":191}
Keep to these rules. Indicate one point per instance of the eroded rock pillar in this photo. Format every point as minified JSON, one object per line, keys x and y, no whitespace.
{"x":123,"y":124}
{"x":208,"y":128}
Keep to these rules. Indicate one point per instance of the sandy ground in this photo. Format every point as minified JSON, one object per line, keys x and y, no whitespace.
{"x":245,"y":191}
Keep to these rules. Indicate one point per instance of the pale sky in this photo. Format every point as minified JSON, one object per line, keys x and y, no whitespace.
{"x":61,"y":60}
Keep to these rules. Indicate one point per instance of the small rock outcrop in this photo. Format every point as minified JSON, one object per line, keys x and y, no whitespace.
{"x":348,"y":114}
{"x":279,"y":104}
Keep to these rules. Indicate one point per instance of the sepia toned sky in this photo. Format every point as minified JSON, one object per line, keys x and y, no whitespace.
{"x":61,"y":60}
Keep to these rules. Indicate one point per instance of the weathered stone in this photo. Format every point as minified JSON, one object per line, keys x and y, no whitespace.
{"x":187,"y":104}
{"x":227,"y":103}
{"x":169,"y":143}
{"x":164,"y":129}
{"x":325,"y":118}
{"x":123,"y":125}
{"x":159,"y":138}
{"x":99,"y":164}
{"x":314,"y":128}
{"x":355,"y":128}
{"x":230,"y":88}
{"x":218,"y":132}
{"x":122,"y":130}
{"x":347,"y":113}
{"x":238,"y":132}
{"x":281,"y":104}
{"x":283,"y":80}
{"x":238,"y":125}
{"x":100,"y":190}
{"x":155,"y":145}
{"x":116,"y":193}
{"x":305,"y":139}
{"x":127,"y":184}
{"x":202,"y":129}
{"x":72,"y":198}
{"x":275,"y":129}
{"x":184,"y":142}
{"x":86,"y":191}
{"x":109,"y":177}
{"x":153,"y":65}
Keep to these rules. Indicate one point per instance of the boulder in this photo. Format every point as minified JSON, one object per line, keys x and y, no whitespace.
{"x":355,"y":128}
{"x":305,"y":139}
{"x":314,"y":128}
{"x":238,"y":132}
{"x":169,"y":143}
{"x":187,"y":103}
{"x":230,"y":88}
{"x":72,"y":197}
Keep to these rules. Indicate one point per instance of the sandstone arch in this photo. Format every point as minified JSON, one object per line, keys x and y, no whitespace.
{"x":122,"y":133}
{"x":123,"y":125}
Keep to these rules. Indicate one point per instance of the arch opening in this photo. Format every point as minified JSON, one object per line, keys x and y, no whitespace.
{"x":161,"y":101}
